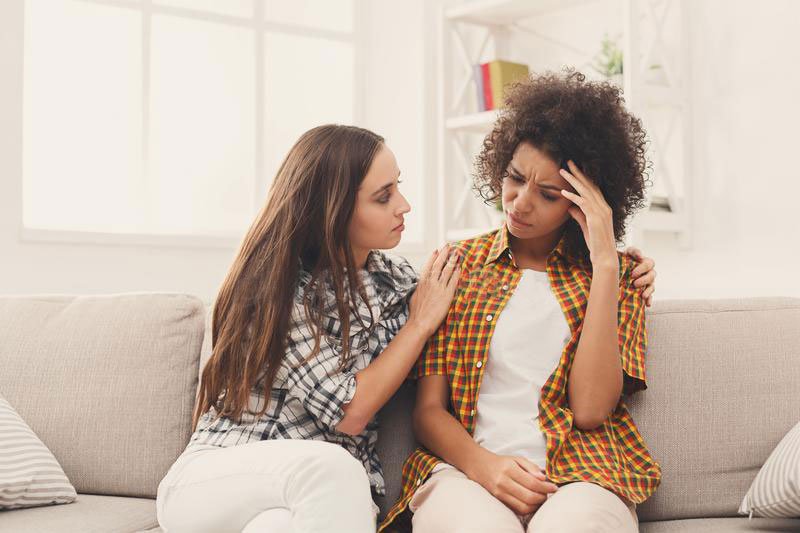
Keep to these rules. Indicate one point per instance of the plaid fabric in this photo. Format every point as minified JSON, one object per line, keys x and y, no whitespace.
{"x":613,"y":455}
{"x":307,"y":397}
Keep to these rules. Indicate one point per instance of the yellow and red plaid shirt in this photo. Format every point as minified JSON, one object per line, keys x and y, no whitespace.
{"x":613,"y":455}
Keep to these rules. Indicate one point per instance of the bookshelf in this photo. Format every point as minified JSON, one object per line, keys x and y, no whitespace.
{"x":494,"y":24}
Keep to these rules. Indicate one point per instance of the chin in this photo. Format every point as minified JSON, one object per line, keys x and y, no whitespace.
{"x":388,"y":244}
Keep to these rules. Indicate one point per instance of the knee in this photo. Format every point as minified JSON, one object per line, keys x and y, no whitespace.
{"x":333,"y":464}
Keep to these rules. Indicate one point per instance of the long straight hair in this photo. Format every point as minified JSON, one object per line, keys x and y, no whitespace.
{"x":304,"y":222}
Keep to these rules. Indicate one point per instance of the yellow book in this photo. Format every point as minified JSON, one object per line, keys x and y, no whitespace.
{"x":501,"y":74}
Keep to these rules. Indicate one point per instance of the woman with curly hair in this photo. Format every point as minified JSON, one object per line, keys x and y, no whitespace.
{"x":520,"y":400}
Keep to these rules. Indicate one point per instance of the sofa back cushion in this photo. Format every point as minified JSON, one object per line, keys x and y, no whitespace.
{"x":107,"y":382}
{"x":723,"y":389}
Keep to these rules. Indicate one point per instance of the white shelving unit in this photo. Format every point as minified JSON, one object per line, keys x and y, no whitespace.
{"x":461,"y":128}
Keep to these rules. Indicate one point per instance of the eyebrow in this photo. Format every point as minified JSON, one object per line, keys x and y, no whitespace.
{"x":540,"y":185}
{"x":385,"y":187}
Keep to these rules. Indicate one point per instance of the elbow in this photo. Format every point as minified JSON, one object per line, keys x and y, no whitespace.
{"x":587,"y":419}
{"x":353,"y":422}
{"x":351,"y":425}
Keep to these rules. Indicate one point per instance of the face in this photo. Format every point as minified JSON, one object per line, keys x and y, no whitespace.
{"x":377,"y":221}
{"x":532,"y":199}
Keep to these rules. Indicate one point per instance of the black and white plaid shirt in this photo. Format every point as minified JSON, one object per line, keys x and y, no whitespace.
{"x":307,"y":396}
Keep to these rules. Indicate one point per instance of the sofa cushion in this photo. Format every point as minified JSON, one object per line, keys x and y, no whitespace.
{"x":29,"y":474}
{"x":722,"y":393}
{"x":775,"y":491}
{"x":107,"y":382}
{"x":722,"y":525}
{"x":89,"y":514}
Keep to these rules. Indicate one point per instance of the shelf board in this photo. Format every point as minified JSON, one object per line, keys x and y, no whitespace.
{"x":475,"y":122}
{"x":505,"y":12}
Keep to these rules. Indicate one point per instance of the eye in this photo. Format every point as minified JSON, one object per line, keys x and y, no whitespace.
{"x":384,"y":199}
{"x":516,"y":178}
{"x":548,"y":197}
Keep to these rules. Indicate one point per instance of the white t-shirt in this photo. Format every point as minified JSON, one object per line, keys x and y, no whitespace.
{"x":526,"y":346}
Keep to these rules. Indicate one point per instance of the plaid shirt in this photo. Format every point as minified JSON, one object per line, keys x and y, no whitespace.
{"x":307,"y":396}
{"x":613,"y":455}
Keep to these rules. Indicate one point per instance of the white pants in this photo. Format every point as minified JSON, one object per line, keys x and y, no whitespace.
{"x":267,"y":486}
{"x":450,"y":502}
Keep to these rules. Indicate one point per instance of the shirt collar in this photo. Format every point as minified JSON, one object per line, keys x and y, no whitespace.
{"x":500,"y":246}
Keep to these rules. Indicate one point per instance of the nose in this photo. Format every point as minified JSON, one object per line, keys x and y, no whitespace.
{"x":404,"y":206}
{"x":523,"y":202}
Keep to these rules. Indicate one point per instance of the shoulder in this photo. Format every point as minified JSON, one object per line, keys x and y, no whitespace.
{"x":394,"y":266}
{"x":475,"y":250}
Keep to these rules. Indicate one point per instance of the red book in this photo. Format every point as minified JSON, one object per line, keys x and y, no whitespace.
{"x":487,"y":87}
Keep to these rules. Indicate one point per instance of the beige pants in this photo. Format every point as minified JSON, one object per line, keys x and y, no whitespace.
{"x":450,"y":502}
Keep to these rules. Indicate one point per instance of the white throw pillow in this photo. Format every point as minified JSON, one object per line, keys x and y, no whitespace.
{"x":775,"y":491}
{"x":29,"y":474}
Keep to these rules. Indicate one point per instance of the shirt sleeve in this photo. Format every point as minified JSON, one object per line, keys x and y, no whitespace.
{"x":433,"y":361}
{"x":632,"y":330}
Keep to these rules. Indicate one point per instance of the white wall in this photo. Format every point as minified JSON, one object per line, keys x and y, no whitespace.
{"x":745,"y":87}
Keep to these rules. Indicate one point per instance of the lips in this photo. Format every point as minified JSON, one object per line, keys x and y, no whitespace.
{"x":400,"y":227}
{"x":517,"y":222}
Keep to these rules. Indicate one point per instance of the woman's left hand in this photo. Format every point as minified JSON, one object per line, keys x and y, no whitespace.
{"x":594,"y":216}
{"x":644,"y":275}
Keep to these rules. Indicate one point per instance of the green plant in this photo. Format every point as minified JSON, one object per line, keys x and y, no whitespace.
{"x":608,"y":61}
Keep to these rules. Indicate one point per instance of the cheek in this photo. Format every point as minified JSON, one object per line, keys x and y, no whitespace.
{"x":358,"y":226}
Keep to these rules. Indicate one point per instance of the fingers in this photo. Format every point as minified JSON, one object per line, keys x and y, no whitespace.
{"x":580,"y":218}
{"x":440,"y":262}
{"x":526,"y":500}
{"x":529,"y":466}
{"x":578,"y":180}
{"x":426,"y":270}
{"x":515,"y":504}
{"x":453,"y":281}
{"x":646,"y":264}
{"x":645,"y":280}
{"x":578,"y":200}
{"x":537,"y":481}
{"x":634,"y":252}
{"x":648,"y":293}
{"x":449,"y":267}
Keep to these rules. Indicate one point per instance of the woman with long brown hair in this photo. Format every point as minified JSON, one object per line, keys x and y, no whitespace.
{"x":313,"y":331}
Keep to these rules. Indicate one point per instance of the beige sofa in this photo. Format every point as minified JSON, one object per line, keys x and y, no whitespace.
{"x":108,"y":383}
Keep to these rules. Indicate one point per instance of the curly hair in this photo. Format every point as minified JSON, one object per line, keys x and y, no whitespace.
{"x":567,"y":117}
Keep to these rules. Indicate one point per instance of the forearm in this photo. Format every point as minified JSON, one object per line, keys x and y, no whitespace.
{"x":595,"y":380}
{"x":376,"y":384}
{"x":441,"y":433}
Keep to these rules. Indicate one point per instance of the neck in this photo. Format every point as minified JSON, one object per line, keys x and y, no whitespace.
{"x":360,"y":257}
{"x":533,"y":252}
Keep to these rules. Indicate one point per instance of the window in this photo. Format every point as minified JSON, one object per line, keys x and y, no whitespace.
{"x":170,"y":117}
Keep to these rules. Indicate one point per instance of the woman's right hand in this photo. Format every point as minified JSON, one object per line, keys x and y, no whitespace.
{"x":435,"y":290}
{"x":516,"y":481}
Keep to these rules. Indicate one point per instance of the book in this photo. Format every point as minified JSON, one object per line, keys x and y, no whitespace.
{"x":477,"y":73}
{"x":503,"y":74}
{"x":487,"y":87}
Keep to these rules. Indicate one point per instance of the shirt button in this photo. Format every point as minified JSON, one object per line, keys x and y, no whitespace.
{"x":489,"y":318}
{"x":419,"y":481}
{"x":479,"y":364}
{"x":472,"y":413}
{"x":505,"y":287}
